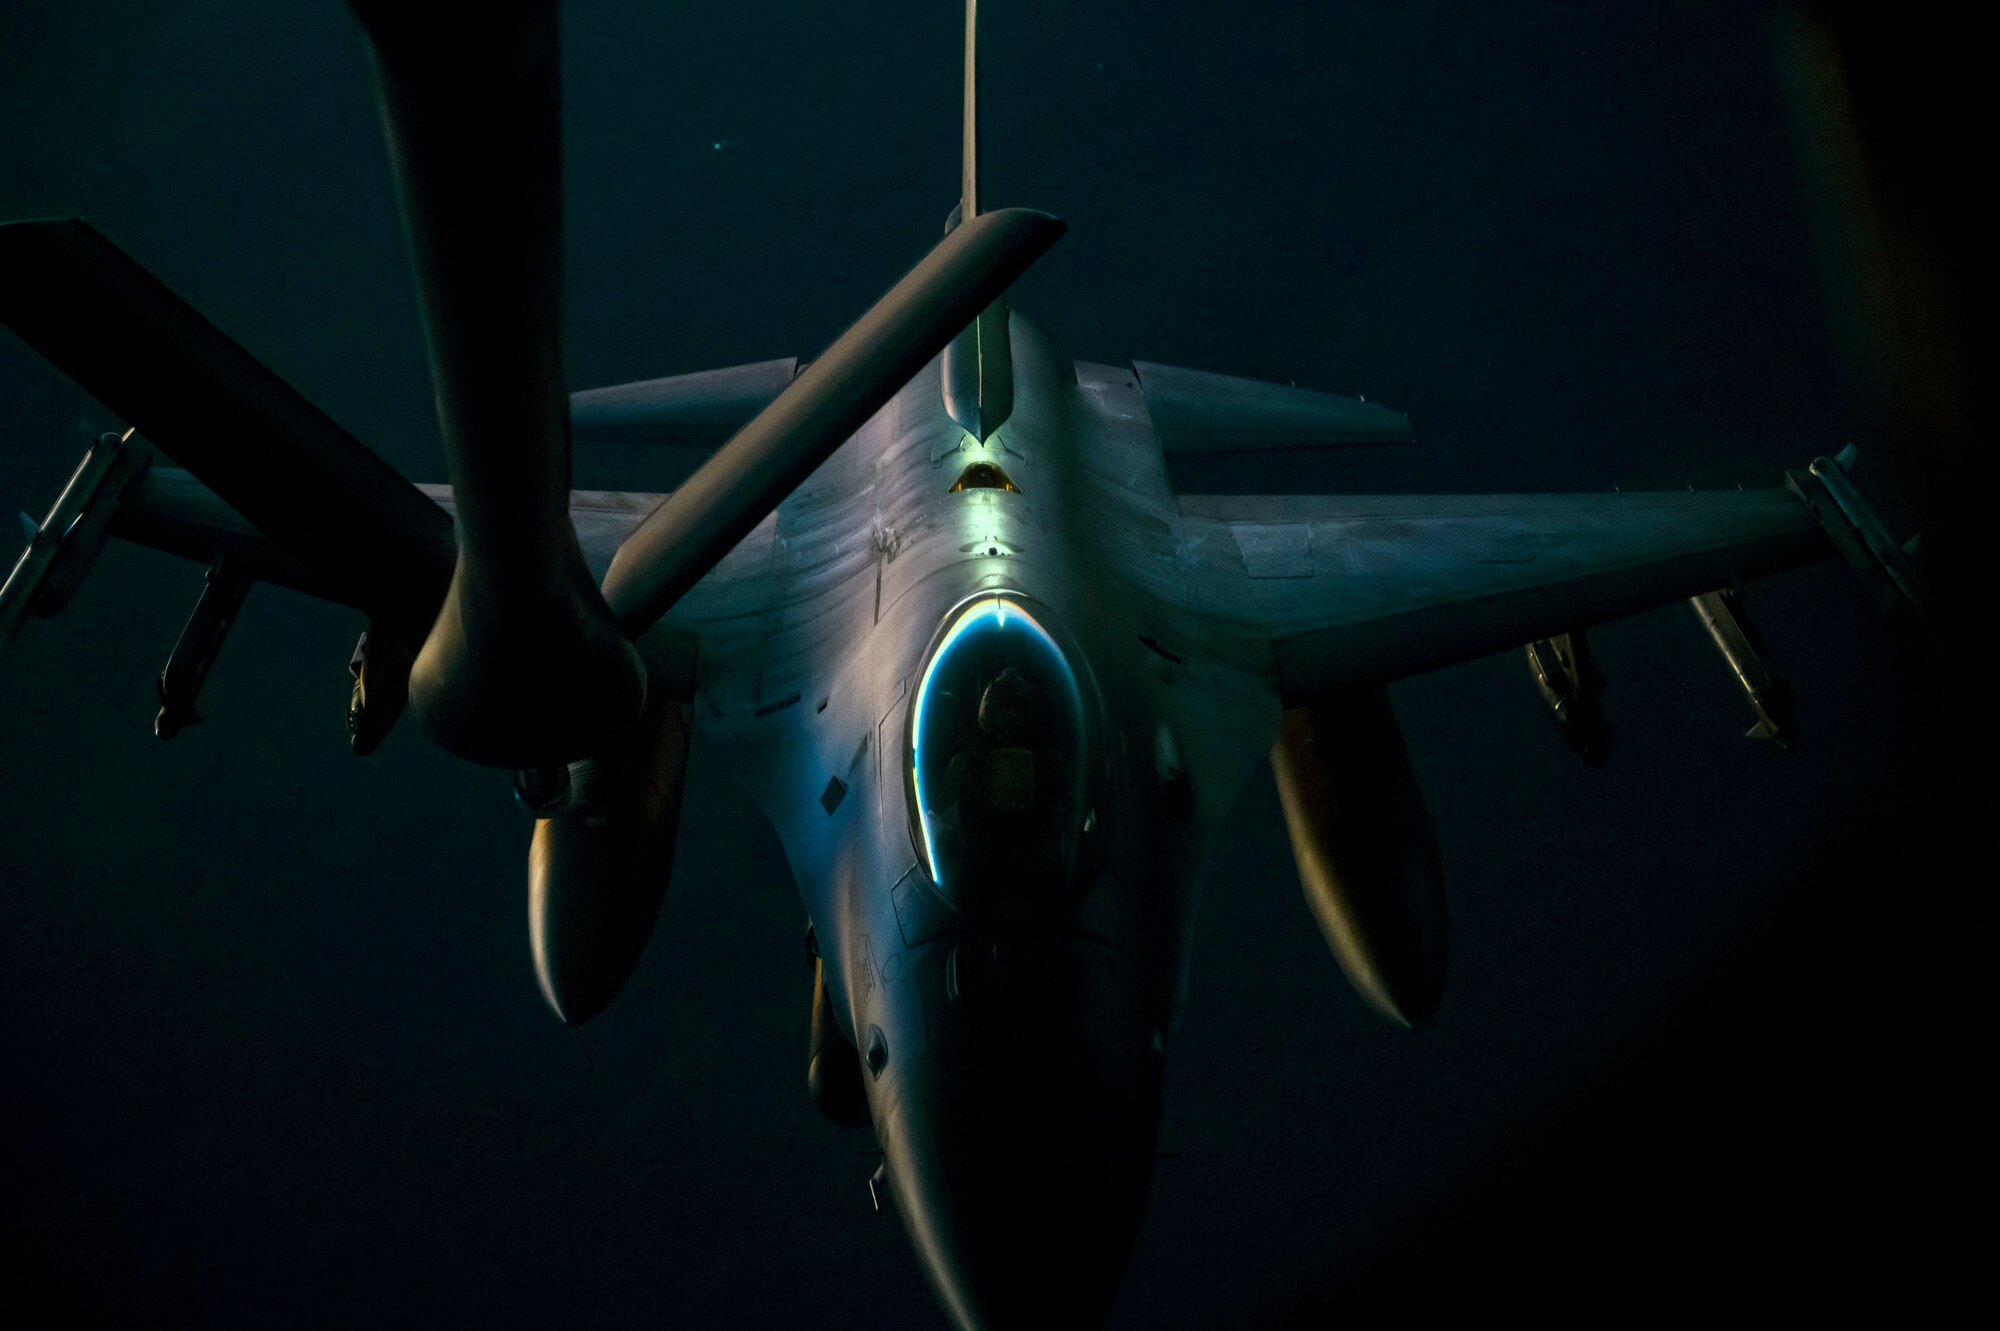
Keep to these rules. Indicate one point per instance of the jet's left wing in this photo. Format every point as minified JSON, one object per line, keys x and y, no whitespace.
{"x":1359,"y":590}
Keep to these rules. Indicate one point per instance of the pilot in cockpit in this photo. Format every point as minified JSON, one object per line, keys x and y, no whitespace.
{"x":997,"y":762}
{"x":993,"y":778}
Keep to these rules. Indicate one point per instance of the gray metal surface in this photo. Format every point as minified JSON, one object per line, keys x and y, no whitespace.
{"x":698,"y":410}
{"x":1402,"y":584}
{"x":865,"y":560}
{"x":1196,"y":411}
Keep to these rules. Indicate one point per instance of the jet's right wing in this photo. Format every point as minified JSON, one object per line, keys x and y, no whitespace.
{"x":1362,"y":590}
{"x":1196,"y":411}
{"x":291,"y":497}
{"x":168,"y":509}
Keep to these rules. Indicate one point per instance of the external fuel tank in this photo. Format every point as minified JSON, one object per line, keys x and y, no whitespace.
{"x":598,"y":868}
{"x":1367,"y":860}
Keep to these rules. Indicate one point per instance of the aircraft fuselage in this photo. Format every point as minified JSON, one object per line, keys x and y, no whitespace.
{"x":1007,"y":958}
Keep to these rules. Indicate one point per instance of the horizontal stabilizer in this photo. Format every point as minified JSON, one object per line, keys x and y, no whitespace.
{"x":699,"y":410}
{"x":1195,"y":411}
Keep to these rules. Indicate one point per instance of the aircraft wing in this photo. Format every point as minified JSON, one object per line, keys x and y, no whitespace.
{"x":1356,"y":590}
{"x":694,"y":411}
{"x":168,"y":509}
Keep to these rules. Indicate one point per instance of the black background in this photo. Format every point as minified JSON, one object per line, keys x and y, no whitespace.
{"x":273,"y":1052}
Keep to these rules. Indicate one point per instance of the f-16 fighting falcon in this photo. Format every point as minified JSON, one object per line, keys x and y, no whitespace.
{"x":931,"y":596}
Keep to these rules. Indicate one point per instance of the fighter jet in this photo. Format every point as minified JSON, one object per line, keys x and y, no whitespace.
{"x":994,"y":683}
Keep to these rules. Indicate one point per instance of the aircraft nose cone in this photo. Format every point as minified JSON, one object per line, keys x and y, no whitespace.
{"x":1042,"y":1237}
{"x":1020,"y":1146}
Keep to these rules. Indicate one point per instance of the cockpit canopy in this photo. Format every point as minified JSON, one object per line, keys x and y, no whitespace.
{"x":1001,"y":800}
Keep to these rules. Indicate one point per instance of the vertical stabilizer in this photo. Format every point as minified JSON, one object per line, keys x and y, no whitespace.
{"x":978,"y":366}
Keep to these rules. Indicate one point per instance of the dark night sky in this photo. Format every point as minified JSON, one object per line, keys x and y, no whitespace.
{"x":273,"y":1052}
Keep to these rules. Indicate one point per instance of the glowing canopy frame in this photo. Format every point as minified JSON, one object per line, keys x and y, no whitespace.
{"x":1001,"y":608}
